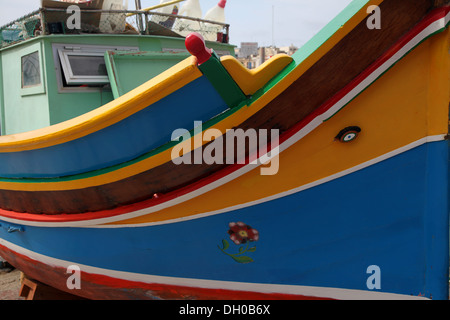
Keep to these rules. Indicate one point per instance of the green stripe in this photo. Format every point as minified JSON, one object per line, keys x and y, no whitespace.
{"x":315,"y":43}
{"x":329,"y":30}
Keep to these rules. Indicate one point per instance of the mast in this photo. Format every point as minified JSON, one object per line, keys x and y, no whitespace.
{"x":273,"y":26}
{"x":139,"y":21}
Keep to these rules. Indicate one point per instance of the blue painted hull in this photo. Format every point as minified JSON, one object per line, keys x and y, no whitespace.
{"x":393,"y":214}
{"x":126,"y":140}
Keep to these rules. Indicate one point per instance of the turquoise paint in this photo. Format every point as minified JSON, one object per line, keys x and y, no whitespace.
{"x":329,"y":30}
{"x":128,"y":70}
{"x":68,"y":104}
{"x":315,"y":43}
{"x":23,"y":109}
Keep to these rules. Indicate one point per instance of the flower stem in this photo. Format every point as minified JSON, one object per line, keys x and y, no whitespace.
{"x":235,"y":254}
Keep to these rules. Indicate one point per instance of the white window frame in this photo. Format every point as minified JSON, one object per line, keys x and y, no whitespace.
{"x":79,"y":79}
{"x":61,"y":52}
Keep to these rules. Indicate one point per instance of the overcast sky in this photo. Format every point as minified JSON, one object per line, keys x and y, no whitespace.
{"x":295,"y":21}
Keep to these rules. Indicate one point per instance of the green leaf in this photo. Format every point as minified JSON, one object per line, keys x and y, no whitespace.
{"x":243,"y":259}
{"x":253,"y":249}
{"x":225,"y":244}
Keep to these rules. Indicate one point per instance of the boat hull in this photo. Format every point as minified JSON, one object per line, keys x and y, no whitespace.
{"x":310,"y":243}
{"x":359,"y":217}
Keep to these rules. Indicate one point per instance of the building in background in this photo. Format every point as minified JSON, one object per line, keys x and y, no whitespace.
{"x":248,"y":49}
{"x":252,"y":56}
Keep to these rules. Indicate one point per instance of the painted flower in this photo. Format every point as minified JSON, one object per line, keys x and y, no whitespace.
{"x":241,"y":233}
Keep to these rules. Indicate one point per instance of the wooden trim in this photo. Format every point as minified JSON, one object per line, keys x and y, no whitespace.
{"x":34,"y":290}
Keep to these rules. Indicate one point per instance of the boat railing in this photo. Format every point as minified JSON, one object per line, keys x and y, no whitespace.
{"x":20,"y":29}
{"x":46,"y":21}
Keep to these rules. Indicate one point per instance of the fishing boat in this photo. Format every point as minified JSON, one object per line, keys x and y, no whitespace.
{"x":141,"y":179}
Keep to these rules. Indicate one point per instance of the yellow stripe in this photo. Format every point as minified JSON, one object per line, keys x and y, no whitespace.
{"x":117,"y":110}
{"x":439,"y":82}
{"x":400,"y":108}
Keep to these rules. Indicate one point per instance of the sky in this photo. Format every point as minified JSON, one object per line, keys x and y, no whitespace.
{"x":295,"y":21}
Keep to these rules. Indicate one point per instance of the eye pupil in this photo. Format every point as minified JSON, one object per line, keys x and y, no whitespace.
{"x":348,"y":134}
{"x":350,"y":137}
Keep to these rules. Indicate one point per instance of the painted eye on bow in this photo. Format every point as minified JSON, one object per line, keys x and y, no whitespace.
{"x":348,"y":134}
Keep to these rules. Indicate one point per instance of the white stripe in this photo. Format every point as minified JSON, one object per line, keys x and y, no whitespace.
{"x":290,"y":192}
{"x":432,"y":28}
{"x":308,"y":291}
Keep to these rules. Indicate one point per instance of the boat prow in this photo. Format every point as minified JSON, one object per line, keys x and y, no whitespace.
{"x":322,"y":175}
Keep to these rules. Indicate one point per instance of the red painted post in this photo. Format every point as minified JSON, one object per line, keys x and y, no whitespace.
{"x":195,"y":44}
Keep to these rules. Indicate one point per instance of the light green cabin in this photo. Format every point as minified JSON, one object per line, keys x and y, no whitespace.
{"x":48,"y":79}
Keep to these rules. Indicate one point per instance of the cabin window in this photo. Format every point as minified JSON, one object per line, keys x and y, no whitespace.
{"x":88,"y":65}
{"x":31,"y":70}
{"x":82,"y":67}
{"x":32,"y":76}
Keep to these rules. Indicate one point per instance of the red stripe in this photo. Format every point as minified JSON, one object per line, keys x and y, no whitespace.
{"x":100,"y":287}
